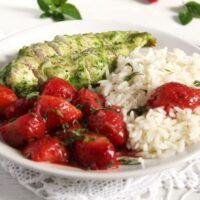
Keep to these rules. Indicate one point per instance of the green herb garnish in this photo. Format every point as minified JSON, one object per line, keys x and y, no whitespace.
{"x":65,"y":126}
{"x":58,"y":112}
{"x":197,"y":83}
{"x":32,"y":94}
{"x":139,"y":111}
{"x":58,"y":10}
{"x":132,"y":75}
{"x":129,"y":161}
{"x":190,"y":10}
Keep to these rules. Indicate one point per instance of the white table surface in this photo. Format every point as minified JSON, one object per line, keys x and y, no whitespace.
{"x":16,"y":15}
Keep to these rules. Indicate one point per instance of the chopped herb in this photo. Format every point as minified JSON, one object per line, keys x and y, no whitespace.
{"x":58,"y":10}
{"x":167,"y":70}
{"x":68,"y":141}
{"x":197,"y":83}
{"x":145,"y":91}
{"x":80,"y":106}
{"x":139,"y":111}
{"x":58,"y":112}
{"x":78,"y":132}
{"x":129,"y":161}
{"x":86,"y":138}
{"x":84,"y":123}
{"x":94,"y":110}
{"x":110,"y":164}
{"x":132,"y":75}
{"x":65,"y":126}
{"x":32,"y":94}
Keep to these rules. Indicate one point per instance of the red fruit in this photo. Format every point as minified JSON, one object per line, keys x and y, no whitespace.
{"x":56,"y":111}
{"x":58,"y":87}
{"x":23,"y":129}
{"x":7,"y":96}
{"x":46,"y":149}
{"x":89,"y":100}
{"x":97,"y":153}
{"x":109,"y":122}
{"x":18,"y":108}
{"x":152,"y":1}
{"x":174,"y":94}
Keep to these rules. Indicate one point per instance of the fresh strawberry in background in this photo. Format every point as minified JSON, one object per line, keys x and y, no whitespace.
{"x":88,"y":100}
{"x":109,"y":122}
{"x":95,"y":153}
{"x":152,"y":1}
{"x":25,"y":128}
{"x":46,"y":149}
{"x":60,"y":88}
{"x":56,"y":111}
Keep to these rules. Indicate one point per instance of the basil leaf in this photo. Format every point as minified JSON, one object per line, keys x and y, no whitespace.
{"x":70,"y":11}
{"x":58,"y":3}
{"x":45,"y":15}
{"x":45,"y":4}
{"x":58,"y":16}
{"x":193,"y":8}
{"x":185,"y":17}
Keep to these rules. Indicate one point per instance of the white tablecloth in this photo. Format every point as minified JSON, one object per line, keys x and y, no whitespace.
{"x":17,"y":15}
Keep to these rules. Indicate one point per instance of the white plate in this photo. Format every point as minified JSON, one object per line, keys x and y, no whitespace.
{"x":10,"y":46}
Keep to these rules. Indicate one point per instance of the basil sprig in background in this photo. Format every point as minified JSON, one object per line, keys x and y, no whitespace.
{"x":191,"y":10}
{"x":58,"y":10}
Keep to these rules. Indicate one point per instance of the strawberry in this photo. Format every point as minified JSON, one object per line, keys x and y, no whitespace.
{"x":59,"y":88}
{"x":56,"y":111}
{"x":96,"y":153}
{"x":18,"y":108}
{"x":174,"y":94}
{"x":46,"y":149}
{"x":109,"y":122}
{"x":88,"y":100}
{"x":23,"y":129}
{"x":7,"y":96}
{"x":152,"y":1}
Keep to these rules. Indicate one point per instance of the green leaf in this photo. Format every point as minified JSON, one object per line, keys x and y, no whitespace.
{"x":185,"y":17}
{"x":132,"y":75}
{"x":45,"y":15}
{"x":58,"y":16}
{"x":129,"y":161}
{"x":45,"y":4}
{"x":197,"y":83}
{"x":193,"y":8}
{"x":70,"y":11}
{"x":58,"y":3}
{"x":139,"y":111}
{"x":32,"y":94}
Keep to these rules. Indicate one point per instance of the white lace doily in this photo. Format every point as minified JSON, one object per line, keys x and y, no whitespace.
{"x":146,"y":187}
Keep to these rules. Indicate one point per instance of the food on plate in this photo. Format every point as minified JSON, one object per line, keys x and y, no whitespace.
{"x":81,"y":59}
{"x":68,"y":104}
{"x":55,"y":126}
{"x":159,"y":93}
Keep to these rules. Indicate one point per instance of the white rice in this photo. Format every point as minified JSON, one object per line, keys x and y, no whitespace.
{"x":154,"y":134}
